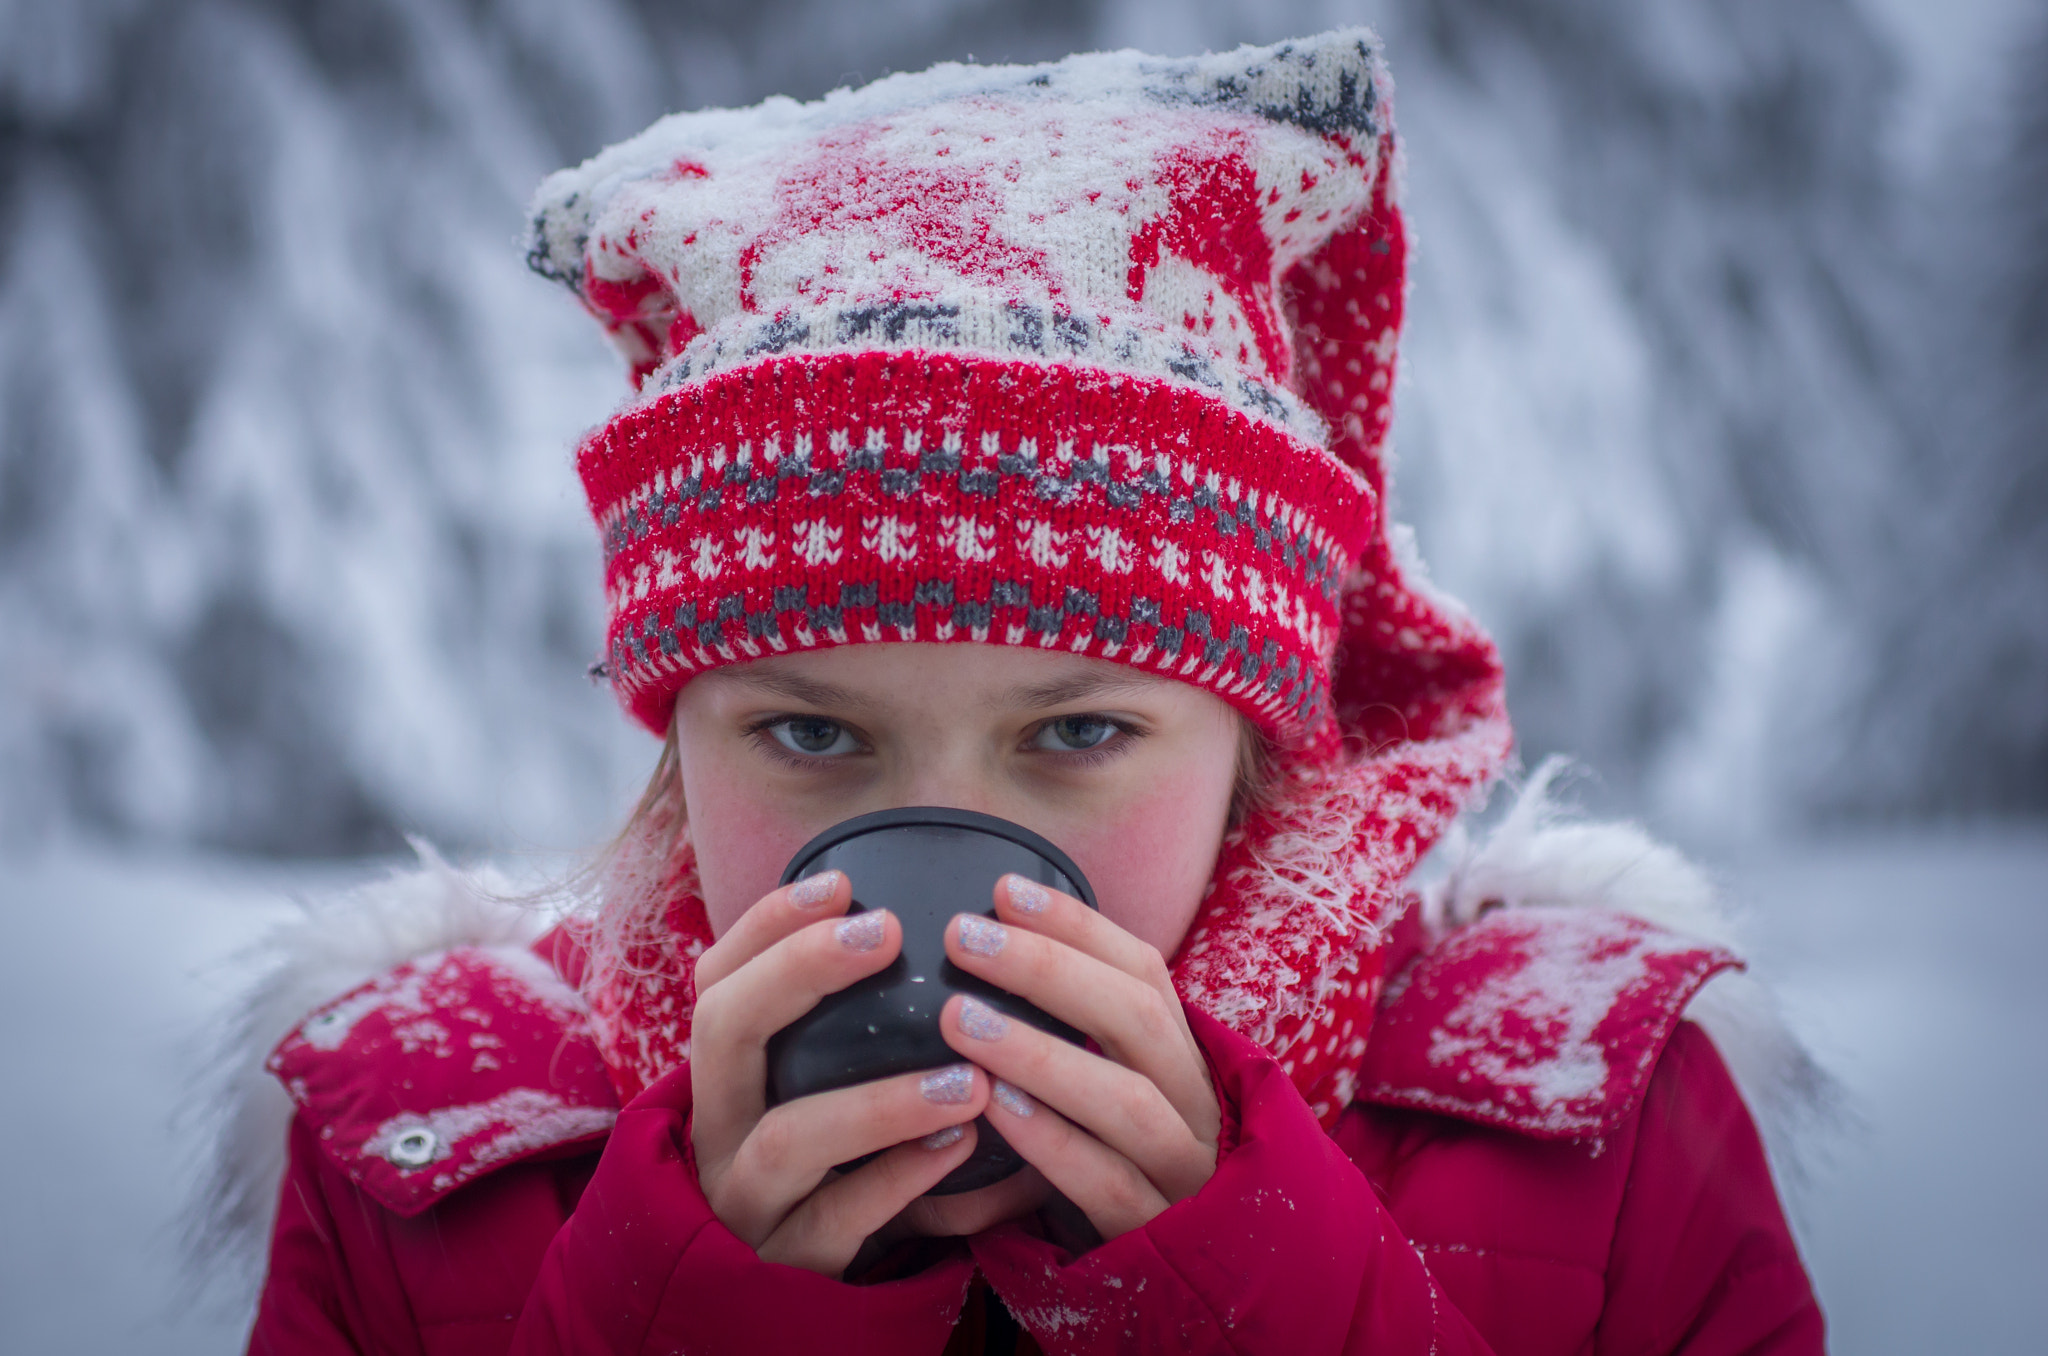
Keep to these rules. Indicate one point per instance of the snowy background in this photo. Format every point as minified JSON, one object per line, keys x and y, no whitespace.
{"x":1723,"y":405}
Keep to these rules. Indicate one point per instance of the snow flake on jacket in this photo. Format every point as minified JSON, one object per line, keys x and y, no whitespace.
{"x":445,"y":1067}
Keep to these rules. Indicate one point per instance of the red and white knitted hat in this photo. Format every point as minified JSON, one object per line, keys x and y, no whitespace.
{"x":1094,"y":356}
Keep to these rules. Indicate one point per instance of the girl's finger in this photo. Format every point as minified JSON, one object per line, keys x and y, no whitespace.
{"x":795,"y":1146}
{"x":736,"y":1016}
{"x":826,"y":1230}
{"x":1137,"y":1024}
{"x":1049,"y":913}
{"x":1110,"y":1189}
{"x":1121,"y":1107}
{"x":774,"y":916}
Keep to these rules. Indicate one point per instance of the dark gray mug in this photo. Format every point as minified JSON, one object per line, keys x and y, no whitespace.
{"x":924,"y":864}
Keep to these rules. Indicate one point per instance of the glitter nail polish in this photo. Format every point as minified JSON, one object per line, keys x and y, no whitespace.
{"x":949,"y":1086}
{"x":1014,"y":1100}
{"x":862,"y":932}
{"x":945,"y":1138}
{"x":1028,"y":896}
{"x":982,"y":936}
{"x":812,"y":891}
{"x":981,"y":1021}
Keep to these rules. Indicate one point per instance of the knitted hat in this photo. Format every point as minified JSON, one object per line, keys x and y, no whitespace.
{"x":1093,"y":356}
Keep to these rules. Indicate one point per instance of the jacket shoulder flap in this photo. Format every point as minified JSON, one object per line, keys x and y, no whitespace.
{"x":446,"y":1067}
{"x":1545,"y":1021}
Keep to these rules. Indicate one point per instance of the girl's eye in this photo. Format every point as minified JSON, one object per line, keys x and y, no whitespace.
{"x":1073,"y":734}
{"x":813,"y":736}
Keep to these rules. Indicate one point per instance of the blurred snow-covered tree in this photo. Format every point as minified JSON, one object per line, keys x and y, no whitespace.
{"x":291,"y":557}
{"x":290,"y":553}
{"x":1952,"y":717}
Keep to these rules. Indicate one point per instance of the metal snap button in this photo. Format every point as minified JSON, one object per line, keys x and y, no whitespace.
{"x":414,"y":1148}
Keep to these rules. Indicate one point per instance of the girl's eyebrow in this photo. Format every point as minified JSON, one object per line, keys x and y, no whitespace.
{"x":1080,"y":687}
{"x":798,"y":689}
{"x":1058,"y":692}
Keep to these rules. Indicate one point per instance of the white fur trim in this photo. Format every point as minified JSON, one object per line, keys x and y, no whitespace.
{"x":1538,"y":856}
{"x":333,"y":945}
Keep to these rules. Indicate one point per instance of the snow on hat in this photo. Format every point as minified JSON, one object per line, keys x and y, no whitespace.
{"x":1094,"y":355}
{"x":1018,"y":354}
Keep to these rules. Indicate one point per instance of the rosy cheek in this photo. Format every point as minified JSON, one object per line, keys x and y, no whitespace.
{"x":1149,"y":857}
{"x":742,"y":842}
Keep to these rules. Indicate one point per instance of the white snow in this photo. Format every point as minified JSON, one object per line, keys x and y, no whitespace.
{"x":1561,"y":995}
{"x":400,"y":992}
{"x":1912,"y":962}
{"x":115,"y":965}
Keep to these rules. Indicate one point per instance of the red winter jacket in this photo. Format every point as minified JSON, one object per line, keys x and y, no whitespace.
{"x":1543,"y":1159}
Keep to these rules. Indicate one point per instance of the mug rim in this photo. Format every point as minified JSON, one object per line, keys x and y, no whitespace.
{"x":943,"y":816}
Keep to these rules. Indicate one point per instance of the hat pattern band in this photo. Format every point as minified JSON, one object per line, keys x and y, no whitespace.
{"x":820,"y":499}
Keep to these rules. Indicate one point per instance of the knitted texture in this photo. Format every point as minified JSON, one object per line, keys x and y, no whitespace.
{"x":936,"y":497}
{"x":1095,"y":356}
{"x":979,"y":354}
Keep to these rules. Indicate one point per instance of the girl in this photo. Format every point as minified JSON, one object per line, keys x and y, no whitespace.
{"x":1014,"y":439}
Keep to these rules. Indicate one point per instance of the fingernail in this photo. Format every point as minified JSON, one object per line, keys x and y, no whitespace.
{"x":1028,"y":896}
{"x":951,"y":1085}
{"x":981,"y":1021}
{"x":1014,"y":1100}
{"x":982,"y":936}
{"x":862,"y":932}
{"x":812,"y":891}
{"x":940,"y":1139}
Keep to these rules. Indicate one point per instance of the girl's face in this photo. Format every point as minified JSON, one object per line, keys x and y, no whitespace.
{"x":1130,"y":774}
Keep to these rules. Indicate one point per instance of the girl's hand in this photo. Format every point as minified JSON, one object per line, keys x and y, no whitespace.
{"x":1122,"y":1134}
{"x":768,"y":1172}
